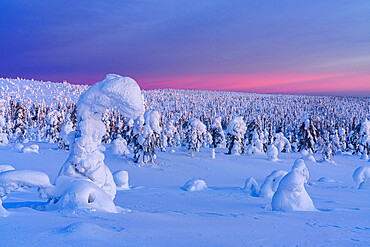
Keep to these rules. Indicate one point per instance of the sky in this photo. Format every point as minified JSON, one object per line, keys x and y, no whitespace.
{"x":296,"y":47}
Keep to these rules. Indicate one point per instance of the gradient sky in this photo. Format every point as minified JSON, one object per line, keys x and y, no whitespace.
{"x":302,"y":47}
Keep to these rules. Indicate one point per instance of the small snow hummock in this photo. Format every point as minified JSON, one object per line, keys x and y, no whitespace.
{"x":307,"y":156}
{"x":213,"y":153}
{"x":271,"y":183}
{"x":4,"y":168}
{"x":291,"y":195}
{"x":121,"y":179}
{"x":300,"y":167}
{"x":272,"y":153}
{"x":33,"y":149}
{"x":251,"y":186}
{"x":14,"y":179}
{"x":326,"y":180}
{"x":361,"y":176}
{"x":195,"y":185}
{"x":18,"y":147}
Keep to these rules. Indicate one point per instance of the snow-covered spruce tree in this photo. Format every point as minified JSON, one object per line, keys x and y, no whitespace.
{"x":326,"y":151}
{"x":54,"y":126}
{"x":144,"y":150}
{"x":235,"y":135}
{"x":218,"y":135}
{"x":195,"y":135}
{"x":171,"y":133}
{"x":3,"y":126}
{"x":308,"y":135}
{"x":127,"y":132}
{"x":255,"y":141}
{"x":19,"y":128}
{"x":86,"y":161}
{"x":360,"y":138}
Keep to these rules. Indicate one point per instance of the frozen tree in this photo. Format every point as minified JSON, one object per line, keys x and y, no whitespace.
{"x":255,"y":141}
{"x":3,"y":127}
{"x":218,"y":135}
{"x":86,"y":161}
{"x":66,"y":136}
{"x":282,"y":143}
{"x":308,"y":135}
{"x":144,"y":151}
{"x":195,"y":135}
{"x":235,"y":135}
{"x":171,"y":133}
{"x":120,"y":146}
{"x":54,"y":125}
{"x":272,"y":153}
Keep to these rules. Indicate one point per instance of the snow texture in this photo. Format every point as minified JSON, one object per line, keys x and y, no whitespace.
{"x":300,"y":167}
{"x":272,"y":153}
{"x":271,"y":183}
{"x":4,"y":168}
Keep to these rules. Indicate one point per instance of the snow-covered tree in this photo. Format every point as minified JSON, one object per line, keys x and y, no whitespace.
{"x":66,"y":136}
{"x":235,"y":135}
{"x":308,"y":135}
{"x":195,"y":135}
{"x":218,"y":135}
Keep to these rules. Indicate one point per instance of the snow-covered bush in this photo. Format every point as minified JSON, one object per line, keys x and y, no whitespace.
{"x":361,"y":176}
{"x":291,"y":194}
{"x":251,"y":186}
{"x":120,"y":146}
{"x":121,"y":180}
{"x":271,"y":183}
{"x":12,"y":180}
{"x":282,"y":143}
{"x":272,"y":153}
{"x":235,"y":135}
{"x":195,"y":135}
{"x":195,"y":185}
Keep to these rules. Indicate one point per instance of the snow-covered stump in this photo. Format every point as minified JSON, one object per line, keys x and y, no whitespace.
{"x":291,"y":195}
{"x":86,"y":161}
{"x":251,"y":187}
{"x":271,"y":183}
{"x":121,"y":179}
{"x":195,"y":185}
{"x":361,"y":176}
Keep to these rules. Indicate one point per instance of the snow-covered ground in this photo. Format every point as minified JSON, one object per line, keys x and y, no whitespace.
{"x":158,"y":212}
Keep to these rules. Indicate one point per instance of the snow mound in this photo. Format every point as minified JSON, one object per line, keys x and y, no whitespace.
{"x":4,"y":168}
{"x":251,"y":186}
{"x":300,"y":167}
{"x":326,"y":180}
{"x":195,"y":185}
{"x":18,"y":147}
{"x":71,"y":194}
{"x":272,"y":153}
{"x":271,"y":183}
{"x":34,"y":149}
{"x":121,"y":179}
{"x":15,"y":179}
{"x":307,"y":156}
{"x":291,"y":195}
{"x":361,"y":176}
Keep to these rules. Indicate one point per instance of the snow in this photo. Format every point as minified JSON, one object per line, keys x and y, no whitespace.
{"x":251,"y":186}
{"x":300,"y":167}
{"x":120,"y":146}
{"x":361,"y":176}
{"x":4,"y":168}
{"x":12,"y":180}
{"x":271,"y":183}
{"x":31,"y":149}
{"x":291,"y":194}
{"x":272,"y":153}
{"x":121,"y":179}
{"x":77,"y":194}
{"x":195,"y":185}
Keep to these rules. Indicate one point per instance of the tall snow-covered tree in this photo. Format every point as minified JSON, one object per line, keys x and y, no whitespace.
{"x":218,"y":135}
{"x":195,"y":135}
{"x":308,"y":135}
{"x":235,"y":135}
